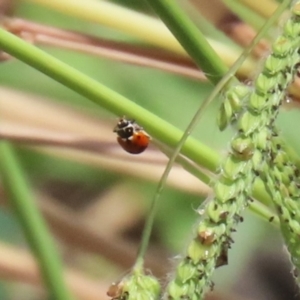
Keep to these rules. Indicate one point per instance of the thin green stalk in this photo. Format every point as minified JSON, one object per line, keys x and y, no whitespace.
{"x":264,"y":212}
{"x":32,"y":223}
{"x":221,"y":84}
{"x":247,"y":15}
{"x":154,"y":204}
{"x":239,"y":170}
{"x":192,"y":40}
{"x":262,"y":32}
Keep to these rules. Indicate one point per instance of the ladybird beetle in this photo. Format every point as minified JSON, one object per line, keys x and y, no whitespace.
{"x":131,"y":137}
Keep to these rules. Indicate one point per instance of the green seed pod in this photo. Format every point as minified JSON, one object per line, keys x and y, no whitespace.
{"x":224,"y":115}
{"x":264,"y":83}
{"x":237,"y":95}
{"x":135,"y":286}
{"x":274,"y":64}
{"x":193,"y":290}
{"x":292,"y":29}
{"x":277,"y":175}
{"x":185,"y":271}
{"x":250,"y":122}
{"x":220,"y":230}
{"x":231,"y":105}
{"x":227,"y":216}
{"x":232,"y":167}
{"x":291,"y":205}
{"x":214,"y":211}
{"x":283,"y":212}
{"x":177,"y":291}
{"x":228,"y":109}
{"x":287,"y":171}
{"x":293,"y":59}
{"x":219,"y":213}
{"x":283,"y":191}
{"x":280,"y":158}
{"x":274,"y":101}
{"x":281,"y":47}
{"x":198,"y":252}
{"x":260,"y":139}
{"x":241,"y":185}
{"x":257,"y":102}
{"x":293,"y":190}
{"x":144,"y":295}
{"x":242,"y":147}
{"x":222,"y":121}
{"x":257,"y":160}
{"x":225,"y":192}
{"x":295,"y":226}
{"x":282,"y":81}
{"x":149,"y":283}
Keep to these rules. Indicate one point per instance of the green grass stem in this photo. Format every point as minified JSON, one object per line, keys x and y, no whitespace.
{"x":191,"y":38}
{"x":113,"y":102}
{"x":218,"y":88}
{"x":106,"y":98}
{"x":35,"y":229}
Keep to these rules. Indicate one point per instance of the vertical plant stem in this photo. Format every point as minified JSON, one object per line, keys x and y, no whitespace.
{"x":32,"y":223}
{"x":222,"y":83}
{"x":192,"y":40}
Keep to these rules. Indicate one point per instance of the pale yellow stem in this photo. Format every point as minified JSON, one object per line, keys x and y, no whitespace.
{"x":143,"y":27}
{"x":264,"y":8}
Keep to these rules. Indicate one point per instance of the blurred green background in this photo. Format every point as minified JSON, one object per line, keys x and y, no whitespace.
{"x":171,"y":97}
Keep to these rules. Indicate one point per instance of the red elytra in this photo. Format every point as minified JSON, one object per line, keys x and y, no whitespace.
{"x":136,"y":144}
{"x":131,"y":137}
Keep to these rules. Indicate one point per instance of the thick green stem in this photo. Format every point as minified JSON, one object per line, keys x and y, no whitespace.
{"x":106,"y":98}
{"x":32,"y":223}
{"x":112,"y":101}
{"x":191,"y":39}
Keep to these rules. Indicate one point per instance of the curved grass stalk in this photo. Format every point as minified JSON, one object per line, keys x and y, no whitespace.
{"x":185,"y":284}
{"x":220,"y":86}
{"x":245,"y":14}
{"x":233,"y":189}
